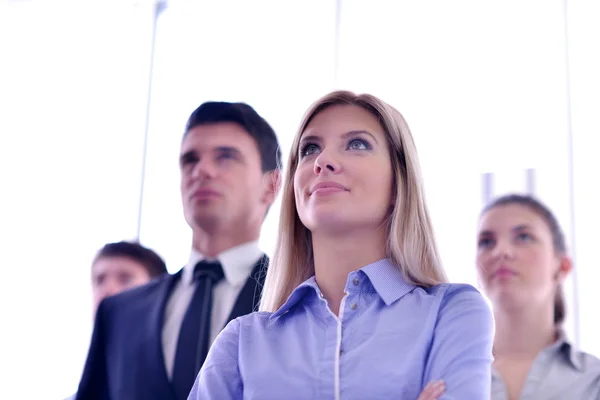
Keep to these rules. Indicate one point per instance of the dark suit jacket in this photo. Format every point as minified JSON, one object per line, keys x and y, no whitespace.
{"x":125,"y":359}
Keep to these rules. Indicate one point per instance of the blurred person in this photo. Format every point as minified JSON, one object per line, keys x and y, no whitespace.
{"x":123,"y":265}
{"x":356,"y":304}
{"x":149,"y":343}
{"x":522,"y":262}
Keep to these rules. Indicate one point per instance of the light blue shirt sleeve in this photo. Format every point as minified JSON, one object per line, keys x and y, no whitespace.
{"x":219,"y":378}
{"x":461,"y":350}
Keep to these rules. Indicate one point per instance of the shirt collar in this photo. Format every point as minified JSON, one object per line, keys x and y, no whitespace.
{"x":562,"y":345}
{"x":237,"y":263}
{"x":385,"y":277}
{"x":306,"y":287}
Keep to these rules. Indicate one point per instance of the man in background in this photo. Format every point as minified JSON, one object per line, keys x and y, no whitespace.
{"x":121,"y":266}
{"x":150,"y":342}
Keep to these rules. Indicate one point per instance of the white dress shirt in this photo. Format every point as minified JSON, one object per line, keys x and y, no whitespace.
{"x":237,"y":264}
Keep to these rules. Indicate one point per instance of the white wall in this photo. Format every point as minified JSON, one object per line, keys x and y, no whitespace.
{"x":584,"y":61}
{"x":72,"y":109}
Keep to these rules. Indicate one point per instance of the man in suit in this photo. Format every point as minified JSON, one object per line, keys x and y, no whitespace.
{"x":150,"y":342}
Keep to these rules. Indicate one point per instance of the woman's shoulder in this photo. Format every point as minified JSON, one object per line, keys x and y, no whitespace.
{"x":449,"y":295}
{"x":574,"y":370}
{"x":256,"y":318}
{"x":455,"y":290}
{"x":586,"y":361}
{"x":243,"y":326}
{"x":461,"y":301}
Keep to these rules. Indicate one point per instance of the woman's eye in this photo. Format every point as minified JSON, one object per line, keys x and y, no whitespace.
{"x":358,"y":144}
{"x":309,"y":149}
{"x":524,"y":237}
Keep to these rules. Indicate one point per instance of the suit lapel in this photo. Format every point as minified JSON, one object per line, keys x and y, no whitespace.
{"x":249,"y":297}
{"x":155,"y":360}
{"x":246,"y":302}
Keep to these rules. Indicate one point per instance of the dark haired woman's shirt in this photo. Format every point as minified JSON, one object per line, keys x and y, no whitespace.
{"x":559,"y":372}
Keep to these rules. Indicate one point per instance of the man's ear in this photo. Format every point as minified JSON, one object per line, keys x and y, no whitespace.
{"x":272,"y":184}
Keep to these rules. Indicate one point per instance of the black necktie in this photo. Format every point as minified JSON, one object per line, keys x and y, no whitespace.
{"x":193,"y":342}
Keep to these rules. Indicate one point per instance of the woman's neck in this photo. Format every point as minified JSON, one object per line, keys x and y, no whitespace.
{"x":337,"y":256}
{"x":522,"y":334}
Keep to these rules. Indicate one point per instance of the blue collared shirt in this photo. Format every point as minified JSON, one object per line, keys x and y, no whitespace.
{"x":390,"y":340}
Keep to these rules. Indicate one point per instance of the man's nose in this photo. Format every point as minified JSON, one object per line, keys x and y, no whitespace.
{"x":110,"y":289}
{"x":204,"y":169}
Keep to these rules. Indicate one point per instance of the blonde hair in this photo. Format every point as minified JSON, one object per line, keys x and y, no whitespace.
{"x":411,"y":242}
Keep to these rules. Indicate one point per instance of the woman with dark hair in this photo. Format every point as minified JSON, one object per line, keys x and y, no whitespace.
{"x":522,"y":262}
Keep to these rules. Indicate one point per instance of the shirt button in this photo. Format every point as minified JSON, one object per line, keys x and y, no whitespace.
{"x":356,"y":281}
{"x":353,"y":306}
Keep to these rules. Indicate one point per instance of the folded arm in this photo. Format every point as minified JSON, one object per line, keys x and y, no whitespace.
{"x":461,"y":350}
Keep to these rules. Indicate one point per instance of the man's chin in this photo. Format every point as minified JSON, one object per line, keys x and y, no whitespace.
{"x":207,"y":219}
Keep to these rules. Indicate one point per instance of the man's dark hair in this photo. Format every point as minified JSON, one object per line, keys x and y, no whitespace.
{"x":242,"y":114}
{"x":151,"y":261}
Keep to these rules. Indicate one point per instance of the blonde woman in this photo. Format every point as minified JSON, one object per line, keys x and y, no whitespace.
{"x":522,"y":261}
{"x":356,"y":304}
